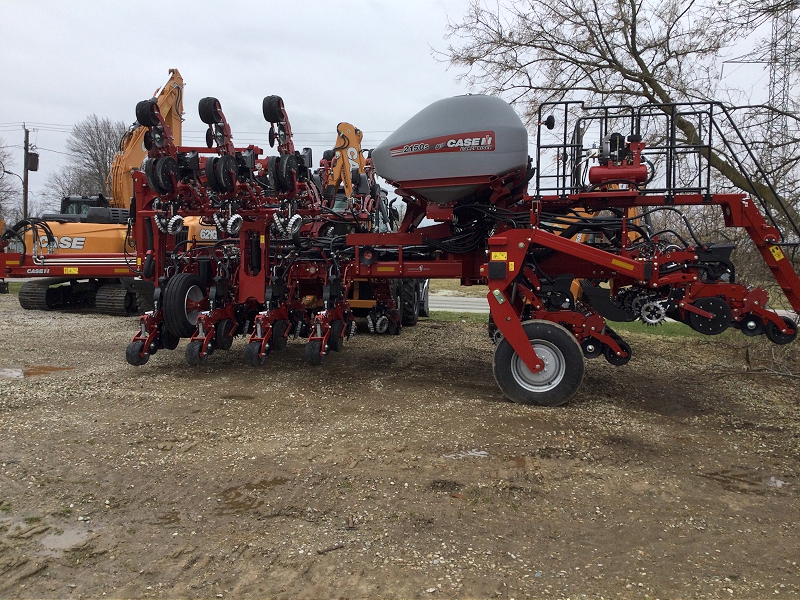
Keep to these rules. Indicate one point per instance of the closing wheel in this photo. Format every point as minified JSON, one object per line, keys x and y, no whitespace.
{"x":209,"y":111}
{"x":279,"y":339}
{"x":145,"y":114}
{"x":251,"y":354}
{"x":335,"y":339}
{"x":133,"y":354}
{"x":776,"y":336}
{"x":224,"y":338}
{"x":591,"y":348}
{"x":182,"y":296}
{"x":224,"y":172}
{"x":752,"y":325}
{"x":193,"y":357}
{"x":720,"y":321}
{"x":272,"y":106}
{"x":313,"y":356}
{"x":165,"y":168}
{"x":612,"y":356}
{"x":409,"y":291}
{"x":563,"y":366}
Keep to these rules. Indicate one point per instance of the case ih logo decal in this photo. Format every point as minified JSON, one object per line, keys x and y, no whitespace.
{"x":474,"y":141}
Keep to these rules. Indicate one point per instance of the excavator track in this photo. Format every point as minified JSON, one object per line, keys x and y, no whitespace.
{"x":115,"y":299}
{"x":36,"y":295}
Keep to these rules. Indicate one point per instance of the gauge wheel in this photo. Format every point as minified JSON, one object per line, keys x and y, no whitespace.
{"x":209,"y":110}
{"x":193,"y":357}
{"x":335,"y":339}
{"x":557,"y":382}
{"x":251,"y":352}
{"x":182,"y":298}
{"x":776,"y":336}
{"x":313,"y":350}
{"x":224,"y":338}
{"x":612,"y":357}
{"x":279,"y":340}
{"x":133,"y":354}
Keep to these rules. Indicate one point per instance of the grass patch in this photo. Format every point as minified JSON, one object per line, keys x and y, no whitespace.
{"x":13,"y":287}
{"x":5,"y":507}
{"x":31,"y":520}
{"x":453,"y":287}
{"x":669,"y":330}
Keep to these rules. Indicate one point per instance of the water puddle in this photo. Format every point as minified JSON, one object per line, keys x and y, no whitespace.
{"x":56,"y":543}
{"x":248,"y":496}
{"x":31,"y":371}
{"x":743,"y":482}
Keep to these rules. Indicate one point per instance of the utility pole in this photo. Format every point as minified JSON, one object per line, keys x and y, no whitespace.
{"x":25,"y":176}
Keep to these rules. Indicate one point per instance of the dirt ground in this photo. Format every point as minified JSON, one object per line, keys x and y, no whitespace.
{"x":396,"y":469}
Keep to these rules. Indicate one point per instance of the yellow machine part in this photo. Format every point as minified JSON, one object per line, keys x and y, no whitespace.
{"x":347,"y":156}
{"x":83,"y":238}
{"x":119,"y":182}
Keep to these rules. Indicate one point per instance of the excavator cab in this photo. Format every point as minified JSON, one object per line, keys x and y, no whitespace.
{"x":80,"y":205}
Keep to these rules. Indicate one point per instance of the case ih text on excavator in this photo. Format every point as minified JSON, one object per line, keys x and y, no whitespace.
{"x":294,"y":238}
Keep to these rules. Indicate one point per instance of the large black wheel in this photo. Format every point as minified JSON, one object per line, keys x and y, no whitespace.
{"x":145,"y":114}
{"x":563,"y":366}
{"x":272,"y":106}
{"x":251,"y":354}
{"x":279,"y":340}
{"x":165,"y":169}
{"x":211,"y":175}
{"x":313,"y":353}
{"x":335,"y":339}
{"x":224,"y":338}
{"x":224,"y":172}
{"x":169,"y":341}
{"x":409,"y":293}
{"x":133,"y":354}
{"x":182,"y":295}
{"x":193,"y":357}
{"x":209,"y":110}
{"x":287,"y":165}
{"x":718,"y":323}
{"x":776,"y":336}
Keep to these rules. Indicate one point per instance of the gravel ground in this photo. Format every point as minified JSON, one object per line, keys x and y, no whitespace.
{"x":396,"y":469}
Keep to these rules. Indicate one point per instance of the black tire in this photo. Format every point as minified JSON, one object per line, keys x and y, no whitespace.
{"x":178,"y":318}
{"x":251,"y":354}
{"x":272,"y":107}
{"x":279,"y":341}
{"x":335,"y":339}
{"x":224,"y":172}
{"x":223,"y":338}
{"x":718,"y":323}
{"x":193,"y":358}
{"x":776,"y":336}
{"x":211,"y":176}
{"x":313,"y":356}
{"x":287,"y":165}
{"x":410,"y":302}
{"x":752,"y":325}
{"x":165,"y":168}
{"x":560,"y":351}
{"x":149,"y":169}
{"x":169,"y":341}
{"x":425,"y":304}
{"x":209,"y":111}
{"x":591,"y":348}
{"x":273,"y":163}
{"x":133,"y":354}
{"x":145,"y":114}
{"x":612,"y":357}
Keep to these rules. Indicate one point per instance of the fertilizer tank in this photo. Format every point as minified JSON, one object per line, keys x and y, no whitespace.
{"x":466,"y":138}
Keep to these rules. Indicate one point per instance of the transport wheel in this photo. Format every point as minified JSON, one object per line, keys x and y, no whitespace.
{"x":612,"y":357}
{"x":279,"y":340}
{"x":133,"y":354}
{"x":410,"y":302}
{"x":563,"y":371}
{"x":209,"y":111}
{"x":169,"y":341}
{"x":181,"y":297}
{"x":145,"y":114}
{"x":193,"y":357}
{"x":251,"y":354}
{"x":224,"y":339}
{"x":776,"y":336}
{"x":335,"y":339}
{"x":272,"y":106}
{"x":313,"y":356}
{"x":715,"y":325}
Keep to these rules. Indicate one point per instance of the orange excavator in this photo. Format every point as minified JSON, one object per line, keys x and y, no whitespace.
{"x":83,"y":256}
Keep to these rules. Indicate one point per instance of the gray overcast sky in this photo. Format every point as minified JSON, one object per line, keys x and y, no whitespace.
{"x":366,"y":62}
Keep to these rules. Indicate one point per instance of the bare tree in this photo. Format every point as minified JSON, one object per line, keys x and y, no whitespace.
{"x":92,"y":145}
{"x":607,"y":51}
{"x":9,"y":183}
